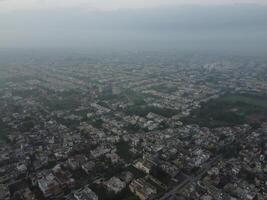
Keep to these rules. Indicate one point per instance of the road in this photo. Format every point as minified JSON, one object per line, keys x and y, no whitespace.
{"x":191,"y":179}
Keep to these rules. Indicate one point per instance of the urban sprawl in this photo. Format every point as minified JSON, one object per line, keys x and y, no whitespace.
{"x":129,"y":127}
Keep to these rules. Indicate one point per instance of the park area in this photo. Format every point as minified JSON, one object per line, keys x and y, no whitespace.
{"x":231,"y":110}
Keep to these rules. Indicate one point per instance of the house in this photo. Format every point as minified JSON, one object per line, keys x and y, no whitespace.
{"x":142,"y":189}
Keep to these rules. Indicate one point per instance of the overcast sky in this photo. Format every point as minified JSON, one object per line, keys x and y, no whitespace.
{"x":11,"y":5}
{"x":204,"y":25}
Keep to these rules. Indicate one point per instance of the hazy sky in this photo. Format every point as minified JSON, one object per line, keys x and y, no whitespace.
{"x":204,"y":25}
{"x":11,"y":5}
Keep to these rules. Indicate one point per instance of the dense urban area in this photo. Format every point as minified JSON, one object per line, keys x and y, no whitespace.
{"x":133,"y":126}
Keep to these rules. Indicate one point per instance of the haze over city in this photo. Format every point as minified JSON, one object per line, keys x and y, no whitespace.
{"x":133,"y":100}
{"x":233,"y":26}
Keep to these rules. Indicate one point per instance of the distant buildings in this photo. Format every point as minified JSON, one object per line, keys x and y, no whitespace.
{"x":111,"y":128}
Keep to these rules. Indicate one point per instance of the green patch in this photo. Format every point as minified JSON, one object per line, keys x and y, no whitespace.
{"x":249,"y":100}
{"x":230,"y":110}
{"x":126,"y":96}
{"x":97,"y":123}
{"x":164,"y":88}
{"x":123,"y":150}
{"x":27,"y":93}
{"x":3,"y":137}
{"x":144,"y":110}
{"x":66,"y":100}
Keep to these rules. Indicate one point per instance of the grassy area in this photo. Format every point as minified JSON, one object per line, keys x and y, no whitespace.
{"x":66,"y":100}
{"x":230,"y":110}
{"x":144,"y":110}
{"x":27,"y":93}
{"x":164,"y":88}
{"x":123,"y":150}
{"x":246,"y":99}
{"x":98,"y":123}
{"x":127,"y":96}
{"x":3,"y":137}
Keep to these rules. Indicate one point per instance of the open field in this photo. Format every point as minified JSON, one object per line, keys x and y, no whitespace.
{"x":246,"y":99}
{"x":230,"y":110}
